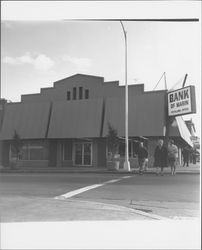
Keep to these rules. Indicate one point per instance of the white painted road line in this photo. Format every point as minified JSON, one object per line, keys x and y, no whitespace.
{"x":78,"y":191}
{"x":126,"y":177}
{"x":84,"y":189}
{"x":112,"y":181}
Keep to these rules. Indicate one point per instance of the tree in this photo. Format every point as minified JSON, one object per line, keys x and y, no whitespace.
{"x":17,"y":144}
{"x":112,"y":141}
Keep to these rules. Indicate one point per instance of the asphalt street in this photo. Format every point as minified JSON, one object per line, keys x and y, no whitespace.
{"x":91,"y":196}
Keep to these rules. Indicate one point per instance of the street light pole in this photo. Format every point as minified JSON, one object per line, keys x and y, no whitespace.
{"x":126,"y":163}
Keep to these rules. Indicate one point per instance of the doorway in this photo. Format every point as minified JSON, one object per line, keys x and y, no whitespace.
{"x":83,"y":153}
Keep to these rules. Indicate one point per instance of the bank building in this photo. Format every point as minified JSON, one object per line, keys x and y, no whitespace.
{"x":67,"y":125}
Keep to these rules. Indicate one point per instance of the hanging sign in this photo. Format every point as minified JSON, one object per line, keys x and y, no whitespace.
{"x":182,"y":101}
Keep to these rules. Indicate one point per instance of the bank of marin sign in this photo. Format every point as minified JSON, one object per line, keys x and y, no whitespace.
{"x":182,"y":101}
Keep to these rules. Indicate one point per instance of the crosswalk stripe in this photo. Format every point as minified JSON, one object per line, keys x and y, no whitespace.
{"x":87,"y":188}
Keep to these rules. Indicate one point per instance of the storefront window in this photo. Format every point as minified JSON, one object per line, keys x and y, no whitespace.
{"x":36,"y":153}
{"x":67,"y":151}
{"x":32,"y":151}
{"x":135,"y":149}
{"x":132,"y":149}
{"x":12,"y":153}
{"x":122,"y":149}
{"x":25,"y":153}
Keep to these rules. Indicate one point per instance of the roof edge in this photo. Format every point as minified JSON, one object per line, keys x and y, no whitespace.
{"x":85,"y":75}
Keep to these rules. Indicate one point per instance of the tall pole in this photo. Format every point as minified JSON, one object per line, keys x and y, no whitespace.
{"x":165,"y":80}
{"x":126,"y":163}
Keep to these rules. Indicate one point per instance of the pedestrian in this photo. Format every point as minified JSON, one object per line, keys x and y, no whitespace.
{"x":194,"y":156}
{"x":185,"y":154}
{"x":142,"y":157}
{"x":160,"y":157}
{"x":172,"y":156}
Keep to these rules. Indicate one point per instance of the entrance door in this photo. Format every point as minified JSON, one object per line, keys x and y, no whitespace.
{"x":78,"y":154}
{"x":83,"y":153}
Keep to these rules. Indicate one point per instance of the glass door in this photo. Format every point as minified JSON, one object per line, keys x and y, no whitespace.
{"x":87,"y":154}
{"x":78,"y":154}
{"x":83,"y":154}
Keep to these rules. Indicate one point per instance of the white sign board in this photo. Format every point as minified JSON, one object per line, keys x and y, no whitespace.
{"x":181,"y":101}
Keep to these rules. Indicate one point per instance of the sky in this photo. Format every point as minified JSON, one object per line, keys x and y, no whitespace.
{"x":37,"y":51}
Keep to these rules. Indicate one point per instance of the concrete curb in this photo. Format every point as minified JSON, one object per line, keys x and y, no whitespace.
{"x":58,"y":171}
{"x":121,"y":209}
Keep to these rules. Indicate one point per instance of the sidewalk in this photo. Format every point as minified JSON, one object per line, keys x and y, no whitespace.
{"x":192,"y":169}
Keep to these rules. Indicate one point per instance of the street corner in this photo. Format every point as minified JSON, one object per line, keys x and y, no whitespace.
{"x":30,"y":210}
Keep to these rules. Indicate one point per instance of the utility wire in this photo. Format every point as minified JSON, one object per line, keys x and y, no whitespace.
{"x":160,"y":80}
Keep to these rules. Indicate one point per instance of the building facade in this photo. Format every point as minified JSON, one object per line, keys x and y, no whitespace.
{"x":67,"y":125}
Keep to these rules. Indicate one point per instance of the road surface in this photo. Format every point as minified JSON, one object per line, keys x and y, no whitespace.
{"x":90,"y":196}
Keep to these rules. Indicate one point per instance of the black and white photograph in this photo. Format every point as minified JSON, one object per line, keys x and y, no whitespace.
{"x":100,"y":125}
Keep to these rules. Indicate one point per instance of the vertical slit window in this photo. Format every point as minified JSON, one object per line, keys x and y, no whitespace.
{"x":86,"y":94}
{"x":80,"y":92}
{"x":74,"y":93}
{"x":68,"y":95}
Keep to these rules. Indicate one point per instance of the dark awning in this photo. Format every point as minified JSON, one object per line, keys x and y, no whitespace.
{"x":30,"y":120}
{"x":146,"y":115}
{"x":179,"y":129}
{"x":76,"y":119}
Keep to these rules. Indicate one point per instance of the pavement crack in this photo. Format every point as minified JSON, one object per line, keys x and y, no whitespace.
{"x":143,"y":210}
{"x":144,"y":205}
